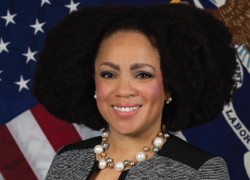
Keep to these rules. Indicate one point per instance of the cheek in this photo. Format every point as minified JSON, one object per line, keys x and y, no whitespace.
{"x":154,"y":91}
{"x":102,"y":90}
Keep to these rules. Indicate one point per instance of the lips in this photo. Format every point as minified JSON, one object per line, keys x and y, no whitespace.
{"x":126,"y":105}
{"x":126,"y":110}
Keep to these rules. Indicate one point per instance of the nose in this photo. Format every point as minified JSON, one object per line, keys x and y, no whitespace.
{"x":125,"y":88}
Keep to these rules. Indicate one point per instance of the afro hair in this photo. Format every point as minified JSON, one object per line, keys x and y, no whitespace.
{"x":197,"y":62}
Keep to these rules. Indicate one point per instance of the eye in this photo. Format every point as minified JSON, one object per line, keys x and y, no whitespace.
{"x":107,"y":75}
{"x":143,"y":75}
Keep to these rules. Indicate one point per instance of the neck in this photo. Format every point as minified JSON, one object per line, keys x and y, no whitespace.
{"x":125,"y":147}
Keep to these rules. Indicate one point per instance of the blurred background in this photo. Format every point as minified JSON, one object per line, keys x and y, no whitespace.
{"x":30,"y":137}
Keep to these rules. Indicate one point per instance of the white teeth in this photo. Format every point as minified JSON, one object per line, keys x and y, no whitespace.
{"x":126,"y":109}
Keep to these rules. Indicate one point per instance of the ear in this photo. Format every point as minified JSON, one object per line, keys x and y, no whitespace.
{"x":167,"y":93}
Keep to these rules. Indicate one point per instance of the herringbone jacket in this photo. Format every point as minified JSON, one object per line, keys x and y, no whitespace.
{"x":177,"y":160}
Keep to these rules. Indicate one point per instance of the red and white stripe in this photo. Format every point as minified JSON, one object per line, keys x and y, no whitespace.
{"x":28,"y":143}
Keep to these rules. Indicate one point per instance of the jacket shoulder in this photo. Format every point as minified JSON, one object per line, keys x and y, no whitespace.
{"x":85,"y":144}
{"x":179,"y":150}
{"x":215,"y":168}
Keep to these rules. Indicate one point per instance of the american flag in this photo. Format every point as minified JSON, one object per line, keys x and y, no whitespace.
{"x":30,"y":136}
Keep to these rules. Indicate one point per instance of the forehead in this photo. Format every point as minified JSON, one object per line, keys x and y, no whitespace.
{"x":128,"y":47}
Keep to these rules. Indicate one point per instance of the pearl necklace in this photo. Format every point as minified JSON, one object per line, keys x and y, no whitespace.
{"x":140,"y":156}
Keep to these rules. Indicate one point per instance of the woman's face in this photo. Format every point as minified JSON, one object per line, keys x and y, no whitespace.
{"x":129,"y":83}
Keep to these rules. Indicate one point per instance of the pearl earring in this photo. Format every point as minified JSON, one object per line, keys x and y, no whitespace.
{"x":95,"y":96}
{"x":169,"y":100}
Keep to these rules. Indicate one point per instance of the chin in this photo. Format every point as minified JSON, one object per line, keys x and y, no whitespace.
{"x":127,"y":128}
{"x":127,"y":132}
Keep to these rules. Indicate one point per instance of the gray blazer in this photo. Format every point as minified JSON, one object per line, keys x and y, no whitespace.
{"x":177,"y":160}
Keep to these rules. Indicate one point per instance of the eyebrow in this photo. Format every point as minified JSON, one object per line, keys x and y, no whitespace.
{"x":140,"y":65}
{"x":132,"y":67}
{"x":110,"y":64}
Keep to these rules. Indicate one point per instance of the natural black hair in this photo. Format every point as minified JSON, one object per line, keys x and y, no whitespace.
{"x":197,"y":62}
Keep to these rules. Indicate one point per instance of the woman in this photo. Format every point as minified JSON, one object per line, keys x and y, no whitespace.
{"x":138,"y":72}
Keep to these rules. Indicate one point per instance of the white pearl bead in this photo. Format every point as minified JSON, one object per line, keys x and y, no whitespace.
{"x":105,"y":133}
{"x":158,"y":142}
{"x":102,"y":164}
{"x":98,"y":149}
{"x":119,"y":166}
{"x":140,"y":156}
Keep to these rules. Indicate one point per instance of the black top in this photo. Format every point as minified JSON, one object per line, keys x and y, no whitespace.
{"x":177,"y":159}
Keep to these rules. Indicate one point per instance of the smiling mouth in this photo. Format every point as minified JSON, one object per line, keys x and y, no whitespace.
{"x":126,"y":109}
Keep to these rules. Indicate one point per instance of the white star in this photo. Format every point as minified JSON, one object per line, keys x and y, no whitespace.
{"x":22,"y":84}
{"x":0,"y":73}
{"x":45,"y":1}
{"x":9,"y":18}
{"x":30,"y":55}
{"x":72,"y":6}
{"x":37,"y":26}
{"x":3,"y":46}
